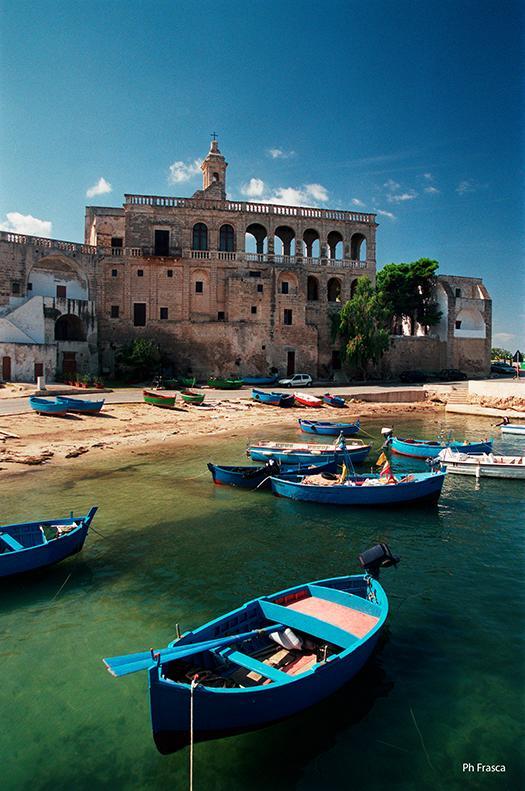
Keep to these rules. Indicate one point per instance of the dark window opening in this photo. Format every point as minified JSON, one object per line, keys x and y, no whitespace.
{"x":116,"y":241}
{"x":29,"y":286}
{"x":114,"y":312}
{"x":114,"y":273}
{"x":69,"y":328}
{"x":458,"y":292}
{"x":226,"y":239}
{"x":290,"y":363}
{"x":215,"y":176}
{"x":199,"y":287}
{"x":170,"y":273}
{"x":288,"y":317}
{"x":39,"y":370}
{"x":284,"y":287}
{"x":336,"y":360}
{"x":61,"y":292}
{"x":458,"y":325}
{"x":164,"y":313}
{"x":140,"y":273}
{"x":254,"y":309}
{"x":312,"y":288}
{"x":220,"y":315}
{"x":254,"y":273}
{"x":162,"y":243}
{"x":200,"y":236}
{"x":259,"y":288}
{"x":15,"y":287}
{"x":139,"y":314}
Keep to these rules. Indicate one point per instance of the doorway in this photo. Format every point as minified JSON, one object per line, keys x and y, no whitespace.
{"x":6,"y":369}
{"x":290,"y":363}
{"x":69,"y":363}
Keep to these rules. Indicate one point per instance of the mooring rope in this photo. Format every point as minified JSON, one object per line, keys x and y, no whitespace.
{"x":194,"y":683}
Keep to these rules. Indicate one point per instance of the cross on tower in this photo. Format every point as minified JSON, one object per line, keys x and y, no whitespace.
{"x":213,"y":135}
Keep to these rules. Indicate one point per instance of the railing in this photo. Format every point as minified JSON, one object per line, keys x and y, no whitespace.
{"x":224,"y":256}
{"x":248,"y":207}
{"x":201,"y":254}
{"x":55,"y":244}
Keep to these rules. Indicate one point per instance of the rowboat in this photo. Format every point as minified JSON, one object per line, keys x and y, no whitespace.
{"x":334,"y":400}
{"x":305,"y":399}
{"x":329,"y":427}
{"x":248,"y":477}
{"x":44,"y":406}
{"x":486,"y":465}
{"x":31,"y":545}
{"x":271,"y":658}
{"x":260,"y":380}
{"x":192,"y":397}
{"x":224,"y":383}
{"x":80,"y":406}
{"x":157,"y":399}
{"x":361,"y":489}
{"x":287,"y":400}
{"x":428,"y":449}
{"x":305,"y":453}
{"x":274,"y":399}
{"x":513,"y":428}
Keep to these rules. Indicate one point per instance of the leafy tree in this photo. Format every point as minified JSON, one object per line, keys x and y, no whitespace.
{"x":139,"y":360}
{"x":363,"y":338}
{"x":500,"y":354}
{"x":406,"y":292}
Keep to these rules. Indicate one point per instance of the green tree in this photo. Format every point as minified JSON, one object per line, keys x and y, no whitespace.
{"x":406,"y":292}
{"x":139,"y":360}
{"x":363,"y":338}
{"x":500,"y":354}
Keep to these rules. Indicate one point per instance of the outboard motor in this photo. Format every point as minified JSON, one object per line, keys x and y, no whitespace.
{"x":376,"y":558}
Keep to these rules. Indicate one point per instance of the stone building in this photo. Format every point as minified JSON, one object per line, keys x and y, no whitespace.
{"x":223,"y":286}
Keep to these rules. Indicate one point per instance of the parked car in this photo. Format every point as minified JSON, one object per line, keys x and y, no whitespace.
{"x":412,"y":377}
{"x":452,"y":375}
{"x":502,"y":369}
{"x":297,"y":380}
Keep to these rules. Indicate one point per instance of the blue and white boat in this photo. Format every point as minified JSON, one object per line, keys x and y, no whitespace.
{"x":263,"y":397}
{"x":334,"y":400}
{"x":329,"y":427}
{"x":31,"y":545}
{"x":307,"y":453}
{"x":513,"y":428}
{"x":250,"y":477}
{"x":81,"y":406}
{"x":47,"y":406}
{"x":428,"y":449}
{"x":366,"y":490}
{"x":269,"y":659}
{"x":260,"y":380}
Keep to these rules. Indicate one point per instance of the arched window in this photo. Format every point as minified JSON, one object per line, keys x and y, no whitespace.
{"x":256,"y":237}
{"x":353,"y":286}
{"x":312,"y":243}
{"x":358,"y":247}
{"x":285,"y":236}
{"x":312,"y":289}
{"x":335,"y":244}
{"x":226,"y":237}
{"x":200,"y":236}
{"x":69,"y":328}
{"x":333,"y":290}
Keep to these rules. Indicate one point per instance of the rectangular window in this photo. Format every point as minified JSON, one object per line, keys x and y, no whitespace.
{"x":140,"y":273}
{"x":254,"y":273}
{"x":458,"y":325}
{"x":162,"y":243}
{"x":15,"y":287}
{"x":61,"y":292}
{"x":254,"y":309}
{"x":116,"y":241}
{"x":114,"y":311}
{"x":170,"y":273}
{"x":29,"y":286}
{"x":164,"y":313}
{"x":114,"y":273}
{"x":284,"y":287}
{"x":220,"y":315}
{"x":458,"y":292}
{"x":288,"y":317}
{"x":139,"y":314}
{"x":336,"y":360}
{"x":199,"y":287}
{"x":259,"y":288}
{"x":290,"y":363}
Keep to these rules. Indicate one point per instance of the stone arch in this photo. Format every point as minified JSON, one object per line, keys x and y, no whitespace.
{"x":200,"y":236}
{"x":256,"y":238}
{"x":57,"y":270}
{"x":335,"y":245}
{"x":312,"y":289}
{"x":333,"y":290}
{"x":353,"y":286}
{"x":312,"y":242}
{"x":291,"y":279}
{"x":69,"y":327}
{"x":470,"y":321}
{"x":358,"y":247}
{"x":286,"y":237}
{"x":227,"y":238}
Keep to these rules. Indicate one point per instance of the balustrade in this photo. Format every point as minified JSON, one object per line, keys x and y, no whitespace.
{"x":50,"y":244}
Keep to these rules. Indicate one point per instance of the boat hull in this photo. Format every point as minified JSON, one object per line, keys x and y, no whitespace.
{"x":305,"y":399}
{"x":44,"y":407}
{"x":79,"y":406}
{"x":155,"y":399}
{"x":513,"y":429}
{"x":357,"y":455}
{"x":259,"y":380}
{"x":192,"y":398}
{"x":325,"y":428}
{"x":335,"y":401}
{"x":273,"y":399}
{"x":259,"y":477}
{"x":512,"y":467}
{"x":423,"y":450}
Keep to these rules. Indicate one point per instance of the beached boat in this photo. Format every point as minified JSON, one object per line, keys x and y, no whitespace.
{"x":248,"y":477}
{"x":155,"y":398}
{"x":329,"y":427}
{"x":361,"y":489}
{"x":305,"y":399}
{"x":47,"y":406}
{"x":304,"y":453}
{"x":287,"y":400}
{"x":486,"y":465}
{"x":513,"y":428}
{"x":334,"y":400}
{"x":260,"y":380}
{"x":269,"y":659}
{"x":80,"y":406}
{"x":220,"y":383}
{"x":263,"y":397}
{"x":192,"y":397}
{"x":31,"y":545}
{"x":428,"y":449}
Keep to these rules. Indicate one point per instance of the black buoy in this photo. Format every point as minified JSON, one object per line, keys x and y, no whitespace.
{"x":377,"y":558}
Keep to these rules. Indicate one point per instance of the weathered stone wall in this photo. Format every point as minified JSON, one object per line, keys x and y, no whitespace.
{"x":24,"y":356}
{"x":411,"y":352}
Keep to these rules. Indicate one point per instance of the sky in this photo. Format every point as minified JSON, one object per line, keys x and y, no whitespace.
{"x":413,"y":110}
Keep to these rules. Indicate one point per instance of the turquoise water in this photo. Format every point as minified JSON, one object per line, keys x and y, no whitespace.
{"x":444,"y":687}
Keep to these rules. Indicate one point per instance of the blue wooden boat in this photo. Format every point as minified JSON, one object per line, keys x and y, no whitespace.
{"x":329,"y":427}
{"x":80,"y":406}
{"x":334,"y":400}
{"x":249,"y":477}
{"x":46,"y":406}
{"x":361,"y":489}
{"x":308,"y":453}
{"x":428,"y":449}
{"x":260,"y":380}
{"x":267,"y":398}
{"x":271,"y":658}
{"x":32,"y":545}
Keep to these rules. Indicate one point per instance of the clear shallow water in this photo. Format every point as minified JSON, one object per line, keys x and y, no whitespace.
{"x":445,"y":686}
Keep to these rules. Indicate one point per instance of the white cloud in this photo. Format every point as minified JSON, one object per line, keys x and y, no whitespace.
{"x":278,"y":153}
{"x":428,"y":176}
{"x":317,"y":191}
{"x":254,"y":189}
{"x":183,"y":171}
{"x":386,"y":214}
{"x":26,"y":224}
{"x":100,"y":188}
{"x":402,"y":197}
{"x":357,"y":202}
{"x":392,"y":185}
{"x":432,"y":190}
{"x":503,"y":337}
{"x":467,"y":185}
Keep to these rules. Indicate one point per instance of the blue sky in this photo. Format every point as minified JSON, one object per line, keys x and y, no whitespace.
{"x":410,"y":109}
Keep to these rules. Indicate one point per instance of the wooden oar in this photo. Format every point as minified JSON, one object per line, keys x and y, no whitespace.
{"x":131,"y":663}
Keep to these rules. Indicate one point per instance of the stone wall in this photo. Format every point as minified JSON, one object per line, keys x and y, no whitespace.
{"x":23,"y":358}
{"x":411,"y":352}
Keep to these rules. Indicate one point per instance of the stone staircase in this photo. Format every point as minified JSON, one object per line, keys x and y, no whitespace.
{"x":458,"y":393}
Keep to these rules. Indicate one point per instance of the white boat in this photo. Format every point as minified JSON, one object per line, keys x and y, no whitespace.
{"x":513,"y":428}
{"x":486,"y":465}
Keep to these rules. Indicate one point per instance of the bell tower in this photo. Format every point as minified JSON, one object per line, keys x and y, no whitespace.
{"x":214,"y":172}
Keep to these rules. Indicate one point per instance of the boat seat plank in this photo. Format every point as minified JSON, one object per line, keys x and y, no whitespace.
{"x":338,"y":616}
{"x":346,"y":599}
{"x":11,"y":542}
{"x":252,"y":664}
{"x":308,"y":623}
